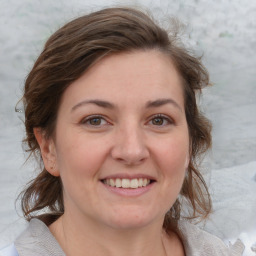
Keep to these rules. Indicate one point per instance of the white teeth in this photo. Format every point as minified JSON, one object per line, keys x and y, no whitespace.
{"x":118,"y":183}
{"x":134,"y":183}
{"x":145,"y":182}
{"x":127,"y":183}
{"x":111,"y":182}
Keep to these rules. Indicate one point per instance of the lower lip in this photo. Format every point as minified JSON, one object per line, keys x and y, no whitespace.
{"x":129,"y":191}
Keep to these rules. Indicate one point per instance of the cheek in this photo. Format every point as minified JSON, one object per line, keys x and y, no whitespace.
{"x":79,"y":170}
{"x":173,"y":160}
{"x":80,"y":157}
{"x":175,"y":153}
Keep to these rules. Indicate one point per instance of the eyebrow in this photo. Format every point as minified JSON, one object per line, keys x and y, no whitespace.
{"x":161,"y":102}
{"x":106,"y":104}
{"x":100,"y":103}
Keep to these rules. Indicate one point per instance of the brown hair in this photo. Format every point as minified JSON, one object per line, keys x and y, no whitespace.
{"x":69,"y":53}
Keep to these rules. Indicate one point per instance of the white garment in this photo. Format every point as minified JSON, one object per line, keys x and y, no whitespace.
{"x":37,"y":240}
{"x":9,"y":251}
{"x":201,"y":243}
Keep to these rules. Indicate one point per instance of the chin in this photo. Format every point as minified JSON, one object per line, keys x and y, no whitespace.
{"x":131,"y":219}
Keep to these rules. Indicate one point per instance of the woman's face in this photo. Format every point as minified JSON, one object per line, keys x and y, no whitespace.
{"x":122,"y":145}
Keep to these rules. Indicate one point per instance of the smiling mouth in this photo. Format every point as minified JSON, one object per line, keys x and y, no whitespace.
{"x":128,"y":183}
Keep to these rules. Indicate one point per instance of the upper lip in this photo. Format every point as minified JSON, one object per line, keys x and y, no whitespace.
{"x":128,"y":176}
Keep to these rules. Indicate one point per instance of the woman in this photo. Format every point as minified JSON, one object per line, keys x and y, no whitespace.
{"x":110,"y":109}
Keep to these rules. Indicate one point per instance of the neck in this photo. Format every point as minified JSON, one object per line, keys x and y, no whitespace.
{"x":76,"y":238}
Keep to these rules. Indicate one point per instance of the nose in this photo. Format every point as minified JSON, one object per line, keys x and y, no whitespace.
{"x":130,"y":146}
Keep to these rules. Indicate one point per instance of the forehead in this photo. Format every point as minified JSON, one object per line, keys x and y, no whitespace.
{"x":128,"y":77}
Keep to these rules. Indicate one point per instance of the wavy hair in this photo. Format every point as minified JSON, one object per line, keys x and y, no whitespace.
{"x":67,"y":55}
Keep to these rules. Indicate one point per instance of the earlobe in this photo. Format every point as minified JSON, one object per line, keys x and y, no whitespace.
{"x":48,"y":151}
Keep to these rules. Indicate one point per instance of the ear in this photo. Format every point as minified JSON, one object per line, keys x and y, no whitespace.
{"x":48,"y":152}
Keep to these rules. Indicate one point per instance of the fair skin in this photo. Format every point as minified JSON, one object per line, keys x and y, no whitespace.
{"x":121,"y":148}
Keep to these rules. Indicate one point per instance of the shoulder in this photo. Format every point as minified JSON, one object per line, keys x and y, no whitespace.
{"x":37,"y":240}
{"x":201,"y":243}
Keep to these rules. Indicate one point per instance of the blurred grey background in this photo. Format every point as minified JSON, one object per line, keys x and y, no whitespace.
{"x":224,"y":31}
